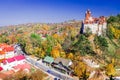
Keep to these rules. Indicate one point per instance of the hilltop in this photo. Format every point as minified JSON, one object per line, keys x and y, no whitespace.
{"x":64,"y":40}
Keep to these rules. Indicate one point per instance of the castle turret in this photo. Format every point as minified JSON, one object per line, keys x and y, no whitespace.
{"x":88,"y":17}
{"x":87,"y":14}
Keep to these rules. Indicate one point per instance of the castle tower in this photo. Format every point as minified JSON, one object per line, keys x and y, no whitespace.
{"x":88,"y":17}
{"x":87,"y":14}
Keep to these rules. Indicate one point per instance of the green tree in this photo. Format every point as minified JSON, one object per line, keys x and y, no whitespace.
{"x":109,"y":33}
{"x":82,"y":45}
{"x":113,"y":19}
{"x":101,"y":42}
{"x":35,"y":39}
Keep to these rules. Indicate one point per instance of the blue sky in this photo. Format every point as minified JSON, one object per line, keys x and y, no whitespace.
{"x":27,"y":11}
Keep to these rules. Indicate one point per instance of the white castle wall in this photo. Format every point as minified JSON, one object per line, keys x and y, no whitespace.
{"x":95,"y":28}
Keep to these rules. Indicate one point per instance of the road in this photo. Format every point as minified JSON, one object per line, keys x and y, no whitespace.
{"x":43,"y":67}
{"x":48,"y":70}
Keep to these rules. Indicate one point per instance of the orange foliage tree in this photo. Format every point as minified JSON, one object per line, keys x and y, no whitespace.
{"x":55,"y":52}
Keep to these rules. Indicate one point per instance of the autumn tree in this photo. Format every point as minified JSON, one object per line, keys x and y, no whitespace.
{"x":63,"y":54}
{"x":29,"y":49}
{"x":110,"y":69}
{"x":80,"y":70}
{"x":55,"y":52}
{"x":70,"y":56}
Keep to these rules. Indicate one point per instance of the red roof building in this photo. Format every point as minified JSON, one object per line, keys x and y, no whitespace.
{"x":8,"y":60}
{"x":19,"y":57}
{"x":1,"y":68}
{"x":8,"y":49}
{"x":2,"y":52}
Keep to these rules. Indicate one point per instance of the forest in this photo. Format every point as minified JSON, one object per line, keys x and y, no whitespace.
{"x":64,"y":40}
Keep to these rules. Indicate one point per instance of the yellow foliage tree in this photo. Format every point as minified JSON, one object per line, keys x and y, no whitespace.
{"x":62,"y":54}
{"x":44,"y":45}
{"x":80,"y":69}
{"x":64,"y":34}
{"x":55,"y":36}
{"x":73,"y":32}
{"x":58,"y":38}
{"x":110,"y":70}
{"x":113,"y":61}
{"x":37,"y":50}
{"x":58,"y":46}
{"x":55,"y":52}
{"x":29,"y":49}
{"x":115,"y":32}
{"x":42,"y":54}
{"x":46,"y":27}
{"x":62,"y":38}
{"x":70,"y":56}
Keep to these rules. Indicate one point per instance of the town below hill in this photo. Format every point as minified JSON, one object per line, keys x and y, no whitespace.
{"x":73,"y":48}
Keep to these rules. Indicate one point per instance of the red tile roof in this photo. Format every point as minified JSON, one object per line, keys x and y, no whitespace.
{"x":19,"y":57}
{"x":9,"y":60}
{"x":7,"y":49}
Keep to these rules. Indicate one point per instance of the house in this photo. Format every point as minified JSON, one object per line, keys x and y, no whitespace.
{"x":9,"y":52}
{"x":95,"y":25}
{"x":48,"y":60}
{"x":62,"y":65}
{"x":2,"y":55}
{"x":6,"y":51}
{"x":20,"y":59}
{"x":7,"y":64}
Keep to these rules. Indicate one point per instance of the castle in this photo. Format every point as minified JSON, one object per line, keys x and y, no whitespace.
{"x":95,"y":25}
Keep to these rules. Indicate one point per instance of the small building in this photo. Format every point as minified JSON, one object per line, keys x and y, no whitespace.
{"x":6,"y":51}
{"x":7,"y":64}
{"x":20,"y":59}
{"x":62,"y":65}
{"x":48,"y":60}
{"x":9,"y":52}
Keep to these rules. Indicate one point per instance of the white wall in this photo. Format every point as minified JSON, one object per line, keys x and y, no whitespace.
{"x":95,"y":28}
{"x":9,"y":54}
